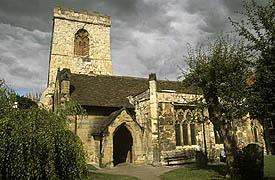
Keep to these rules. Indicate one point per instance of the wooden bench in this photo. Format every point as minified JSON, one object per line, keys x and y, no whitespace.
{"x":175,"y":158}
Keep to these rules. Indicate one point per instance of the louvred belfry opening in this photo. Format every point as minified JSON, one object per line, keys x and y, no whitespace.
{"x":81,"y":43}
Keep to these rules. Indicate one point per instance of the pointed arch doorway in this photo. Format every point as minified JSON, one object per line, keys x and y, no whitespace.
{"x":122,"y":145}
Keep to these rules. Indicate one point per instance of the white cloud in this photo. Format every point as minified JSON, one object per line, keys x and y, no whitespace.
{"x":24,"y":57}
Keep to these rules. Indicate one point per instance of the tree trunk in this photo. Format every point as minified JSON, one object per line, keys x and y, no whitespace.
{"x":226,"y":132}
{"x":267,"y":138}
{"x":230,"y":147}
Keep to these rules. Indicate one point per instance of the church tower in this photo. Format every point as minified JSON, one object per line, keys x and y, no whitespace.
{"x":80,"y":42}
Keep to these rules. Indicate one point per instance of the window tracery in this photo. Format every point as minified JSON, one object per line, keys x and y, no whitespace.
{"x":81,"y":46}
{"x":178,"y":133}
{"x":185,"y":128}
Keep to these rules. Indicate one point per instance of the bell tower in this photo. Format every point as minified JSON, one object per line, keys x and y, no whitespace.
{"x":80,"y":42}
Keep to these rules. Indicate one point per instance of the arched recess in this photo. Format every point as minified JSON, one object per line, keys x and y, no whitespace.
{"x":81,"y":43}
{"x":122,"y":145}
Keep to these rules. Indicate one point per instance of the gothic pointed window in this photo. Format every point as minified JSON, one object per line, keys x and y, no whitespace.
{"x":255,"y":134}
{"x":188,"y":116}
{"x":177,"y":130}
{"x":81,"y":47}
{"x":180,"y":116}
{"x":193,"y":134}
{"x":185,"y":133}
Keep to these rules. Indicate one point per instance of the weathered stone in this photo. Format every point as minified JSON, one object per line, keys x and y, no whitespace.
{"x":161,"y":123}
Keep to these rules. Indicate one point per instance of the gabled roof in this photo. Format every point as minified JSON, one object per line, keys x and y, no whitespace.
{"x":112,"y":91}
{"x":101,"y":126}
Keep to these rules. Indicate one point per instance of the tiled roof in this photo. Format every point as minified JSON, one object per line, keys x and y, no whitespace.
{"x":112,"y":91}
{"x":101,"y":125}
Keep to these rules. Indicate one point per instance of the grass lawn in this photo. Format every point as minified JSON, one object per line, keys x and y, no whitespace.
{"x":192,"y":172}
{"x":103,"y":176}
{"x":269,"y":167}
{"x":91,"y":167}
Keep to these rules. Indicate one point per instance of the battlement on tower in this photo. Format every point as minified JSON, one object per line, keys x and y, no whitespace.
{"x":82,"y":16}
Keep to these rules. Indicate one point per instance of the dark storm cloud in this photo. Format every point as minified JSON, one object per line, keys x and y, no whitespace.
{"x":22,"y":72}
{"x":146,"y":35}
{"x":37,"y":14}
{"x":7,"y":61}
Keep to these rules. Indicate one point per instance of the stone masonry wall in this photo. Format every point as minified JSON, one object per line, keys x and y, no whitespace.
{"x":170,"y":103}
{"x":90,"y":144}
{"x":137,"y":134}
{"x":66,"y":24}
{"x":142,"y":110}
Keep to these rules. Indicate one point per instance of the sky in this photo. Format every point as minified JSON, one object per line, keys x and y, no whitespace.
{"x":146,"y":35}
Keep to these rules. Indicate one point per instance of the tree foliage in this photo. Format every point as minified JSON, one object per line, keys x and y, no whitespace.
{"x":24,"y":102}
{"x":221,"y":72}
{"x":72,"y":110}
{"x":259,"y":31}
{"x":37,"y":144}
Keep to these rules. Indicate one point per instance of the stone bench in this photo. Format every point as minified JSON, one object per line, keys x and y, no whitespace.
{"x":175,"y":158}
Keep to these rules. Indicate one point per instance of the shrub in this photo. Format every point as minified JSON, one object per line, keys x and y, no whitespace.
{"x":37,"y":144}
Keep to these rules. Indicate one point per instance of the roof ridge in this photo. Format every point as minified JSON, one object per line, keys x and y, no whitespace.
{"x":101,"y":75}
{"x":133,"y":77}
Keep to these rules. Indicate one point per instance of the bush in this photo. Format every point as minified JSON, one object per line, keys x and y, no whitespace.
{"x":37,"y":144}
{"x":24,"y":102}
{"x":249,"y":162}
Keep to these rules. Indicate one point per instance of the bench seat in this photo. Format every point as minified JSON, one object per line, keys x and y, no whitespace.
{"x":175,"y":158}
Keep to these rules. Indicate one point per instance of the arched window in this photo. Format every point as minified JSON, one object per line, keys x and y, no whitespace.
{"x":255,"y":134}
{"x":188,"y":116}
{"x":81,"y":46}
{"x":193,"y":134}
{"x":185,"y":133}
{"x":180,"y":115}
{"x":177,"y":130}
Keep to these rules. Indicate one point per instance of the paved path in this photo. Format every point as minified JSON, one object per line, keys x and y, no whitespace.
{"x":142,"y":172}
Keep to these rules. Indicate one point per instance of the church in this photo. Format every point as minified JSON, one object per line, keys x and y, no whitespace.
{"x":130,"y":119}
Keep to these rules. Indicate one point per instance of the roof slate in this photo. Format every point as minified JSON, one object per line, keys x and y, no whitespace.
{"x":101,"y":128}
{"x":112,"y":91}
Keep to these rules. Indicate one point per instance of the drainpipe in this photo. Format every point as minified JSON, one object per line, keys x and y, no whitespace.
{"x":204,"y":136}
{"x":100,"y":150}
{"x":204,"y":139}
{"x":159,"y":144}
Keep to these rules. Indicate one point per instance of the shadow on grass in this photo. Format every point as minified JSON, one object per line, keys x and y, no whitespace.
{"x":219,"y":168}
{"x":192,"y":171}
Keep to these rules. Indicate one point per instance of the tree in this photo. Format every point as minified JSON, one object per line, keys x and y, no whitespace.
{"x":259,"y":31}
{"x":72,"y":109}
{"x":221,"y":72}
{"x":24,"y":102}
{"x":37,"y":144}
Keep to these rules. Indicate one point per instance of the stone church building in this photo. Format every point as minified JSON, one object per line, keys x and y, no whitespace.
{"x":130,"y":119}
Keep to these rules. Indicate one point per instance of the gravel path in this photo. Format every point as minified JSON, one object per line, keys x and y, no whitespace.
{"x":143,"y":172}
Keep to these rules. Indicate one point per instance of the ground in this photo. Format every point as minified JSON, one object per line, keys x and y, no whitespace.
{"x":128,"y":171}
{"x":142,"y":172}
{"x":269,"y":167}
{"x":190,"y":172}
